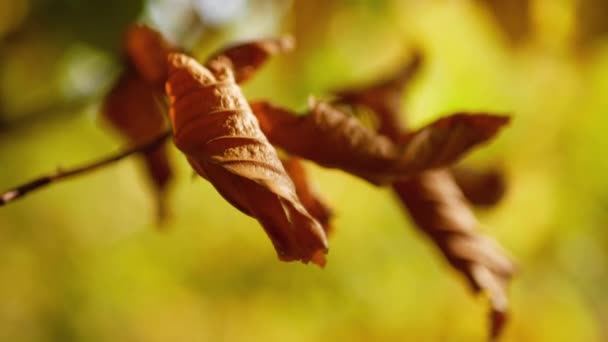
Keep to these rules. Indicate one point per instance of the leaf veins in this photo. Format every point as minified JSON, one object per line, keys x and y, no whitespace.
{"x":215,"y":129}
{"x":131,"y":105}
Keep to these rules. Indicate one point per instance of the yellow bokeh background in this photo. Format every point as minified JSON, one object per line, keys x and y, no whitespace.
{"x":84,"y":260}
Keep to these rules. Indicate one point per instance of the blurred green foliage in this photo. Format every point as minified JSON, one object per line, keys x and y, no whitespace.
{"x":83,"y":261}
{"x":99,"y":23}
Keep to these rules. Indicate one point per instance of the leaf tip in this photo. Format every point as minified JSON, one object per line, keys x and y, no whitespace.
{"x":186,"y":73}
{"x":490,"y":123}
{"x":481,"y":127}
{"x":318,"y":258}
{"x":498,"y":318}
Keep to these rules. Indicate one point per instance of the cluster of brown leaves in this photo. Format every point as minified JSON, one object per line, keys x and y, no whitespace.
{"x":436,"y":202}
{"x":232,"y":143}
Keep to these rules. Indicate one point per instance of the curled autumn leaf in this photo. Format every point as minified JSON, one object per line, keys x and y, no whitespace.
{"x":131,"y":108}
{"x":484,"y":188}
{"x":333,"y":139}
{"x":246,"y":58}
{"x":439,"y":209}
{"x":147,"y":52}
{"x":215,"y":129}
{"x":446,"y":140}
{"x":132,"y":105}
{"x":480,"y":187}
{"x":435,"y":202}
{"x":308,"y":193}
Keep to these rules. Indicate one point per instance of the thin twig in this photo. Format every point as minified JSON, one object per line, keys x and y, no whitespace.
{"x":38,"y":183}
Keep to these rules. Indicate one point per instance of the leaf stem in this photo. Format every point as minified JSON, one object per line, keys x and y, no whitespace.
{"x":40,"y":182}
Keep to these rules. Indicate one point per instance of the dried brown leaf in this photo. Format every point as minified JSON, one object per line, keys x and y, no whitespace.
{"x":215,"y":129}
{"x":482,"y":188}
{"x":246,"y":58}
{"x":308,"y":193}
{"x":447,"y":139}
{"x":438,"y":208}
{"x":131,"y":108}
{"x":333,"y":139}
{"x":147,"y":52}
{"x":435,"y":202}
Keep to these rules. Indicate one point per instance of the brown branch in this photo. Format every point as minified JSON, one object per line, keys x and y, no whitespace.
{"x":38,"y":183}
